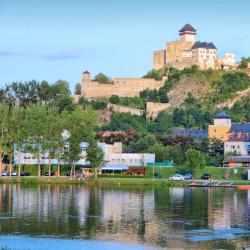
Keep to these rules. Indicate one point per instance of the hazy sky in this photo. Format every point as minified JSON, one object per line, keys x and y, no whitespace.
{"x":58,"y":39}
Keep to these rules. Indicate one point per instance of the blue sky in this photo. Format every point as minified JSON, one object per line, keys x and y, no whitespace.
{"x":58,"y":39}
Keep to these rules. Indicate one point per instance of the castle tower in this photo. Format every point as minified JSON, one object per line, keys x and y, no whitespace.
{"x":85,"y":80}
{"x":187,"y":33}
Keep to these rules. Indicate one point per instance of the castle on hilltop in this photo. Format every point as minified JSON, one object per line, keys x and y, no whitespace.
{"x":186,"y":52}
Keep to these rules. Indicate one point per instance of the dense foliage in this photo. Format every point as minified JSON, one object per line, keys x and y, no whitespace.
{"x":244,"y":62}
{"x":102,"y":78}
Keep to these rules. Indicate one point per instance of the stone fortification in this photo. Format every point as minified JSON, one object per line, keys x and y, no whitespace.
{"x":153,"y":109}
{"x":124,"y":109}
{"x":186,"y":52}
{"x":122,"y":87}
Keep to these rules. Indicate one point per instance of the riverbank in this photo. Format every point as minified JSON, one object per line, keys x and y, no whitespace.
{"x":98,"y":181}
{"x":113,"y":181}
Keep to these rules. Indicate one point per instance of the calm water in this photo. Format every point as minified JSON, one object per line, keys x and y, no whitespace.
{"x":76,"y":217}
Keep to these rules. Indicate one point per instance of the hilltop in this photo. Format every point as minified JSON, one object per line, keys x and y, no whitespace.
{"x":216,"y":88}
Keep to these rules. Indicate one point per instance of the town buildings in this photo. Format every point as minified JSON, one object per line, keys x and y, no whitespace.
{"x":113,"y":154}
{"x":186,"y":52}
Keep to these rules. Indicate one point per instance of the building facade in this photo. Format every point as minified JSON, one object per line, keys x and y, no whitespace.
{"x":113,"y":154}
{"x":186,"y":52}
{"x":237,"y":144}
{"x":221,"y":127}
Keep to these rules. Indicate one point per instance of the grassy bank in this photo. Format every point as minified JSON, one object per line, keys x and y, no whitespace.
{"x":98,"y":182}
{"x":128,"y":182}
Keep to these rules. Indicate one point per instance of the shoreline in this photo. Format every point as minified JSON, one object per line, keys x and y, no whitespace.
{"x":116,"y":181}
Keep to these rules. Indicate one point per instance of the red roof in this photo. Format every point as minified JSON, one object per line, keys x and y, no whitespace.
{"x":240,"y":137}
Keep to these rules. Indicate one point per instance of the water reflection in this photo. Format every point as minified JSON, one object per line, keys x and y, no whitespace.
{"x":163,"y":217}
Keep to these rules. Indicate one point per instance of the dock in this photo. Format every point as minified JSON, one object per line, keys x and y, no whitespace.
{"x":212,"y":184}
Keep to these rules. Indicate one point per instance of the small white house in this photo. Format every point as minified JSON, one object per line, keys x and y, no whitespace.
{"x":237,"y":143}
{"x":132,"y":159}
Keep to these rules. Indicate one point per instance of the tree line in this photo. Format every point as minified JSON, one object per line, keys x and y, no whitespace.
{"x":39,"y":129}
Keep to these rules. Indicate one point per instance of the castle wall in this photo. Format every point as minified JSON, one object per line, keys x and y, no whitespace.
{"x":125,"y":109}
{"x":159,"y":58}
{"x":123,"y":87}
{"x":174,"y":50}
{"x":153,"y":109}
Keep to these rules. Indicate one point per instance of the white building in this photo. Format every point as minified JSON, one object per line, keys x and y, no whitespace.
{"x":131,"y":159}
{"x":112,"y":155}
{"x":228,"y":61}
{"x":238,"y":144}
{"x":204,"y":55}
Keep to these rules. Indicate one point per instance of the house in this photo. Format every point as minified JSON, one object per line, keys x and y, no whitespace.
{"x":223,"y":126}
{"x":238,"y":144}
{"x":237,"y":150}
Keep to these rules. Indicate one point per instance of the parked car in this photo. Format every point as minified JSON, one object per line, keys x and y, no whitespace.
{"x":25,"y":173}
{"x":177,"y":177}
{"x":206,"y":177}
{"x":77,"y":175}
{"x":5,"y":173}
{"x":188,"y":176}
{"x":52,"y":173}
{"x":15,"y":173}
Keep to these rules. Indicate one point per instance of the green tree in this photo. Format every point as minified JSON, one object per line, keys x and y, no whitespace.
{"x":4,"y":127}
{"x":78,"y":89}
{"x":35,"y":124}
{"x":95,"y":157}
{"x":244,"y":61}
{"x":16,"y":135}
{"x":114,"y":99}
{"x":160,"y":152}
{"x":153,"y":74}
{"x":53,"y":135}
{"x":162,"y":124}
{"x":102,"y":78}
{"x":194,"y":160}
{"x":44,"y":92}
{"x":80,"y":125}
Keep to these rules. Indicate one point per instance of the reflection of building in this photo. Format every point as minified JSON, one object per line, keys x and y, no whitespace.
{"x":187,"y":52}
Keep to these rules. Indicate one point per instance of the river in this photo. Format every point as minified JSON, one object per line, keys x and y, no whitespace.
{"x":82,"y":217}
